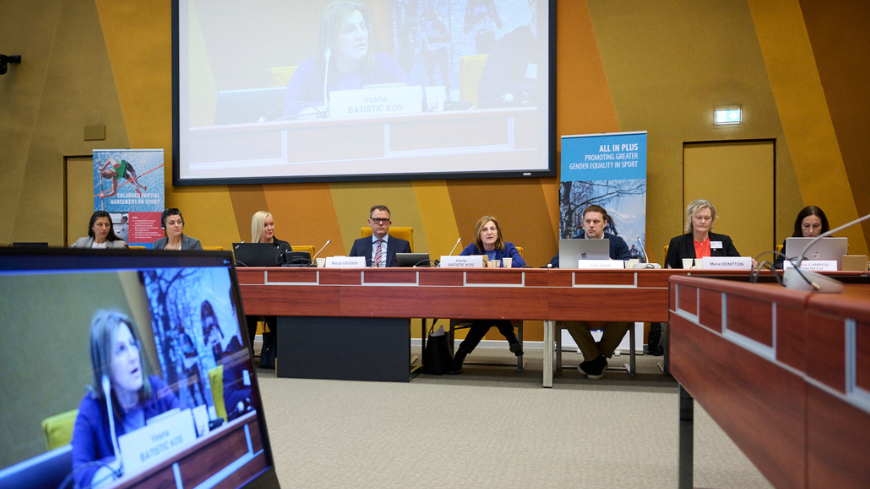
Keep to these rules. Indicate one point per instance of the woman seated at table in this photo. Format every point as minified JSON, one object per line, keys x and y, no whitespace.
{"x":135,"y":396}
{"x":810,"y":223}
{"x":263,"y":231}
{"x":101,"y":234}
{"x":699,"y":242}
{"x":172,"y":222}
{"x":488,"y":241}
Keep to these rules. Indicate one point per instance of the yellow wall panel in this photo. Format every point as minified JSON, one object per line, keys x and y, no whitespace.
{"x":803,"y":110}
{"x":353,"y":200}
{"x":436,"y":214}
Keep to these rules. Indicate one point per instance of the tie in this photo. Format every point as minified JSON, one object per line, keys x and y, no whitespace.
{"x":379,"y":253}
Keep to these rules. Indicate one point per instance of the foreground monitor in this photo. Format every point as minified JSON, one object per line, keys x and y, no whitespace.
{"x":127,"y":369}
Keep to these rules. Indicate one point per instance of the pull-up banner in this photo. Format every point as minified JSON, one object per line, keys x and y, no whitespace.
{"x":607,"y":169}
{"x":128,"y":184}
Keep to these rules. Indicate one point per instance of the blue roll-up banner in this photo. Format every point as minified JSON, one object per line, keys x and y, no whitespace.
{"x":128,"y":184}
{"x":607,"y":169}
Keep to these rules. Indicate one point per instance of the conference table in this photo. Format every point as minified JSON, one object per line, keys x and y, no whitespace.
{"x":785,"y":373}
{"x":378,"y":295}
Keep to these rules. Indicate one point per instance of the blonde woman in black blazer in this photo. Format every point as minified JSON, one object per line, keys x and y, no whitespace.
{"x":700,"y":216}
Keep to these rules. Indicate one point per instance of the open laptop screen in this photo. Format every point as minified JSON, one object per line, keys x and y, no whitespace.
{"x":127,"y":368}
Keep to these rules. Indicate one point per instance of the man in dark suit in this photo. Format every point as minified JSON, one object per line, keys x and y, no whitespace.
{"x":380,"y":248}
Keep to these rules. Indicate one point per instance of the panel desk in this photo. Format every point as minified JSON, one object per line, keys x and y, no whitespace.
{"x":518,"y":293}
{"x":786,"y":374}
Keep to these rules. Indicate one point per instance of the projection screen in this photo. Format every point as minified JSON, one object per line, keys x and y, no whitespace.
{"x":320,"y":90}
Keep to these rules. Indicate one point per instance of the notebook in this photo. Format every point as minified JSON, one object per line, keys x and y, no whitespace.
{"x":573,"y":250}
{"x":255,"y":255}
{"x":249,"y":105}
{"x":823,"y":249}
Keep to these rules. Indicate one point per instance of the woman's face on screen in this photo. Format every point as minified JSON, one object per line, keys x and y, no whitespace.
{"x":811,"y":226}
{"x":126,"y":367}
{"x":353,"y":37}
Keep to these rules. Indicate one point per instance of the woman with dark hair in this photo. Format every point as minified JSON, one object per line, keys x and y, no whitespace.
{"x":345,"y":56}
{"x":172,"y":222}
{"x":810,"y":223}
{"x":232,"y":359}
{"x":488,"y":241}
{"x":101,"y":234}
{"x":135,"y":396}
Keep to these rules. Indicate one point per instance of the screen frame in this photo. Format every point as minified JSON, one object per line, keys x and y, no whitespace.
{"x":551,"y":150}
{"x":29,"y":260}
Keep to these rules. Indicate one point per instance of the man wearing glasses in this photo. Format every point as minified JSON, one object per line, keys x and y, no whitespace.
{"x":380,"y":249}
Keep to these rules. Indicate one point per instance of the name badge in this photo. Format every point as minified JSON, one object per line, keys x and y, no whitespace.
{"x":715,"y":245}
{"x":472,"y":261}
{"x":814,"y":265}
{"x":346,"y":262}
{"x":599,"y":264}
{"x":726,"y":263}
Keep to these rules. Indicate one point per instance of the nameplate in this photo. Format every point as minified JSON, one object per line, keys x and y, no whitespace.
{"x":726,"y":263}
{"x":373,"y":102}
{"x":814,"y":265}
{"x":156,"y":440}
{"x":599,"y":264}
{"x":346,"y":262}
{"x":472,"y":261}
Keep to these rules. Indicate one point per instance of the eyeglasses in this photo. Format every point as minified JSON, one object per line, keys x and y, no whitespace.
{"x":380,"y":220}
{"x":362,"y":27}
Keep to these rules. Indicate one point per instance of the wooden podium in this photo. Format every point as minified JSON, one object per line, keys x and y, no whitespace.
{"x":786,"y":374}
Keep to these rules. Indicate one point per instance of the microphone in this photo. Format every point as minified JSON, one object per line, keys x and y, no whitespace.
{"x":321,"y":249}
{"x":797,"y":279}
{"x":326,"y":53}
{"x":107,"y":393}
{"x":645,"y":263}
{"x":454,"y":246}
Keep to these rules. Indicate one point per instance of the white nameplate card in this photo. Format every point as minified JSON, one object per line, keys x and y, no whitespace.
{"x":471,"y":261}
{"x":156,"y":440}
{"x":374,"y":102}
{"x":814,"y":265}
{"x":726,"y":263}
{"x":598,"y":264}
{"x":346,"y":262}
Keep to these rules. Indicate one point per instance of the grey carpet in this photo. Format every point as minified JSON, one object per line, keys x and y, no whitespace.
{"x":493,"y":427}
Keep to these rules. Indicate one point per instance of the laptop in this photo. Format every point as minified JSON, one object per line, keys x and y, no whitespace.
{"x":572,"y":251}
{"x":256,"y":255}
{"x":249,"y":105}
{"x":824,"y":249}
{"x":413,"y":259}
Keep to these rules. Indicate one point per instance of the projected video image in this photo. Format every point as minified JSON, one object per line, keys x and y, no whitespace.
{"x":142,"y":370}
{"x":341,"y":89}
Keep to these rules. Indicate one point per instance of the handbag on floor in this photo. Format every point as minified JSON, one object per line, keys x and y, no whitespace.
{"x":437,"y":357}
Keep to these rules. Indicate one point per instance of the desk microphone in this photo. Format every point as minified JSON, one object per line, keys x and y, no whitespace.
{"x":326,"y":53}
{"x":107,"y":392}
{"x":321,"y":249}
{"x":645,"y":263}
{"x":797,"y":279}
{"x":454,"y":246}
